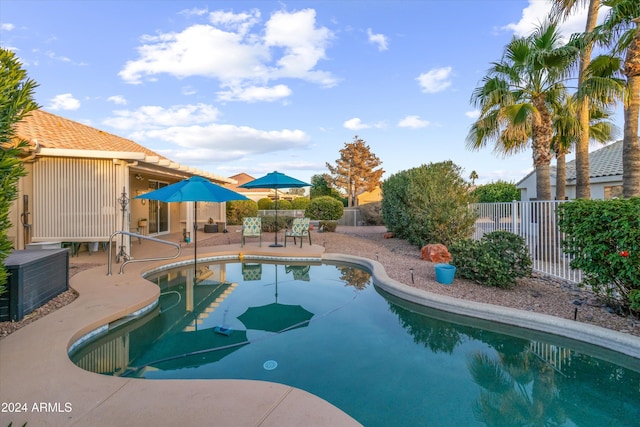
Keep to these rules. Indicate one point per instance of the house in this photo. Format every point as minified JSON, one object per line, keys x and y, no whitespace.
{"x":254,"y":194}
{"x":81,"y":182}
{"x":605,"y":165}
{"x":374,"y":195}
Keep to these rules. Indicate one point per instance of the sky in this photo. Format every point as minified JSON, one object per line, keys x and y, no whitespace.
{"x":257,"y":86}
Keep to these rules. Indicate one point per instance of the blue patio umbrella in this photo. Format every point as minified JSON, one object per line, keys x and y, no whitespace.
{"x":195,"y":189}
{"x":275,"y":180}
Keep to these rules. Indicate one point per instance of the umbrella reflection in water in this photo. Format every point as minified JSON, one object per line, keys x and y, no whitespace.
{"x":276,"y":317}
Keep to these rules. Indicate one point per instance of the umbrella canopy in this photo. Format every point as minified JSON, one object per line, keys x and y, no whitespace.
{"x":275,"y":180}
{"x":195,"y":189}
{"x":275,"y":317}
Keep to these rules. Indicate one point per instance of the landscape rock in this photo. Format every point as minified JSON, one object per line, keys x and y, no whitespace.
{"x":435,"y":253}
{"x":388,"y":235}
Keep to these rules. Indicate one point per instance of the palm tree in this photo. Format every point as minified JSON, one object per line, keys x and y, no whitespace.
{"x":473,"y":176}
{"x":620,"y":31}
{"x":567,"y":133}
{"x":564,"y":8}
{"x":515,"y":98}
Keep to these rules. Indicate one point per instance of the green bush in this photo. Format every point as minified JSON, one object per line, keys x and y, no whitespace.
{"x":282,"y":205}
{"x":428,"y":204}
{"x":269,"y":221}
{"x":16,"y":102}
{"x":324,"y":208}
{"x":603,"y":238}
{"x":328,"y":226}
{"x":495,"y":260}
{"x":264,"y":204}
{"x":496,"y":192}
{"x":371,"y":213}
{"x":300,"y":203}
{"x":239,"y":209}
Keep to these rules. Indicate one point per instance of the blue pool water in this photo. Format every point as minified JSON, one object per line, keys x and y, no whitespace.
{"x":328,"y":330}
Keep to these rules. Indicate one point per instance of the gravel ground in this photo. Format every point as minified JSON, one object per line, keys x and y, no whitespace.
{"x":538,"y":294}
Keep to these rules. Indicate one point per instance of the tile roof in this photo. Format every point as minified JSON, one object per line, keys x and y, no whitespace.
{"x":51,"y":131}
{"x":606,"y":161}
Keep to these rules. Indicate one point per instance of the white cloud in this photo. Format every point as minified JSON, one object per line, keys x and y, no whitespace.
{"x":5,"y":26}
{"x":473,"y":114}
{"x":117,"y":99}
{"x":537,"y":12}
{"x":191,"y":135}
{"x":380,"y":39}
{"x":231,"y":50}
{"x":255,"y":93}
{"x":357,"y":124}
{"x":155,"y":117}
{"x":65,"y":101}
{"x":435,"y":80}
{"x":413,"y":122}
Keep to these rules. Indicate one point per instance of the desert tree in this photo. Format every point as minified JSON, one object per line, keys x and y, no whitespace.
{"x":357,"y":170}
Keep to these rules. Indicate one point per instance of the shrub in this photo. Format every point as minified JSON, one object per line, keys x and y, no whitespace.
{"x":496,"y":192}
{"x":603,"y":237}
{"x":324,"y":208}
{"x":282,"y":205}
{"x":300,"y":203}
{"x":269,"y":221}
{"x":264,"y":204}
{"x":239,"y":209}
{"x":328,"y":226}
{"x":371,"y":213}
{"x":428,"y":204}
{"x":496,"y":260}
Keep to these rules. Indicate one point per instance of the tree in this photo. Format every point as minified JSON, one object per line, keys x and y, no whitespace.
{"x":564,"y":8}
{"x":355,"y":171}
{"x":620,"y":31}
{"x":296,"y":191}
{"x":567,"y":133}
{"x":473,"y":176}
{"x":320,"y":187}
{"x":515,"y":97}
{"x":16,"y":102}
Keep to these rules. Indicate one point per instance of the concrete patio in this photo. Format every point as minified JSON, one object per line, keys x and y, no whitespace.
{"x":40,"y":386}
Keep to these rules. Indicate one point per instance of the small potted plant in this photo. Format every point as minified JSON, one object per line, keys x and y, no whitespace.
{"x":211,"y":227}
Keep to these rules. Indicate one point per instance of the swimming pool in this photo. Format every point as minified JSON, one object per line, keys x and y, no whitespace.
{"x":380,"y":359}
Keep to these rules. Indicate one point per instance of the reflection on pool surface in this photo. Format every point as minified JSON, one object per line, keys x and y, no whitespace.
{"x":327,"y":330}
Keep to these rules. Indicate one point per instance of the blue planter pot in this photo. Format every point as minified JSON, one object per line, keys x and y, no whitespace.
{"x":445,"y":273}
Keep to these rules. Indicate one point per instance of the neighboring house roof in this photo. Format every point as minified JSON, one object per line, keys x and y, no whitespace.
{"x":255,"y":194}
{"x":606,"y":161}
{"x":45,"y":131}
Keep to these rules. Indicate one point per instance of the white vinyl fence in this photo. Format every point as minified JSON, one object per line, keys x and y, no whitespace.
{"x":536,"y":223}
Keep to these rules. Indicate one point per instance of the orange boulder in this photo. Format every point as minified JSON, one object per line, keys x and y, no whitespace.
{"x":435,"y":253}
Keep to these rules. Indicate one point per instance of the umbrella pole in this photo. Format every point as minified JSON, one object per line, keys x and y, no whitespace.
{"x":276,"y":245}
{"x":195,"y":241}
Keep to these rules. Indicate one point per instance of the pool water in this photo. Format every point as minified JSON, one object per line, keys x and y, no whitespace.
{"x":328,"y":330}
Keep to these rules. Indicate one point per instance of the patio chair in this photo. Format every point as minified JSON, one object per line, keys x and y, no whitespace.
{"x":251,"y":227}
{"x":300,"y":272}
{"x":251,"y":272}
{"x":299,"y":228}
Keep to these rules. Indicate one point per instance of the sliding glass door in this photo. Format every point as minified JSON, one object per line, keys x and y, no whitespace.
{"x":158,"y":211}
